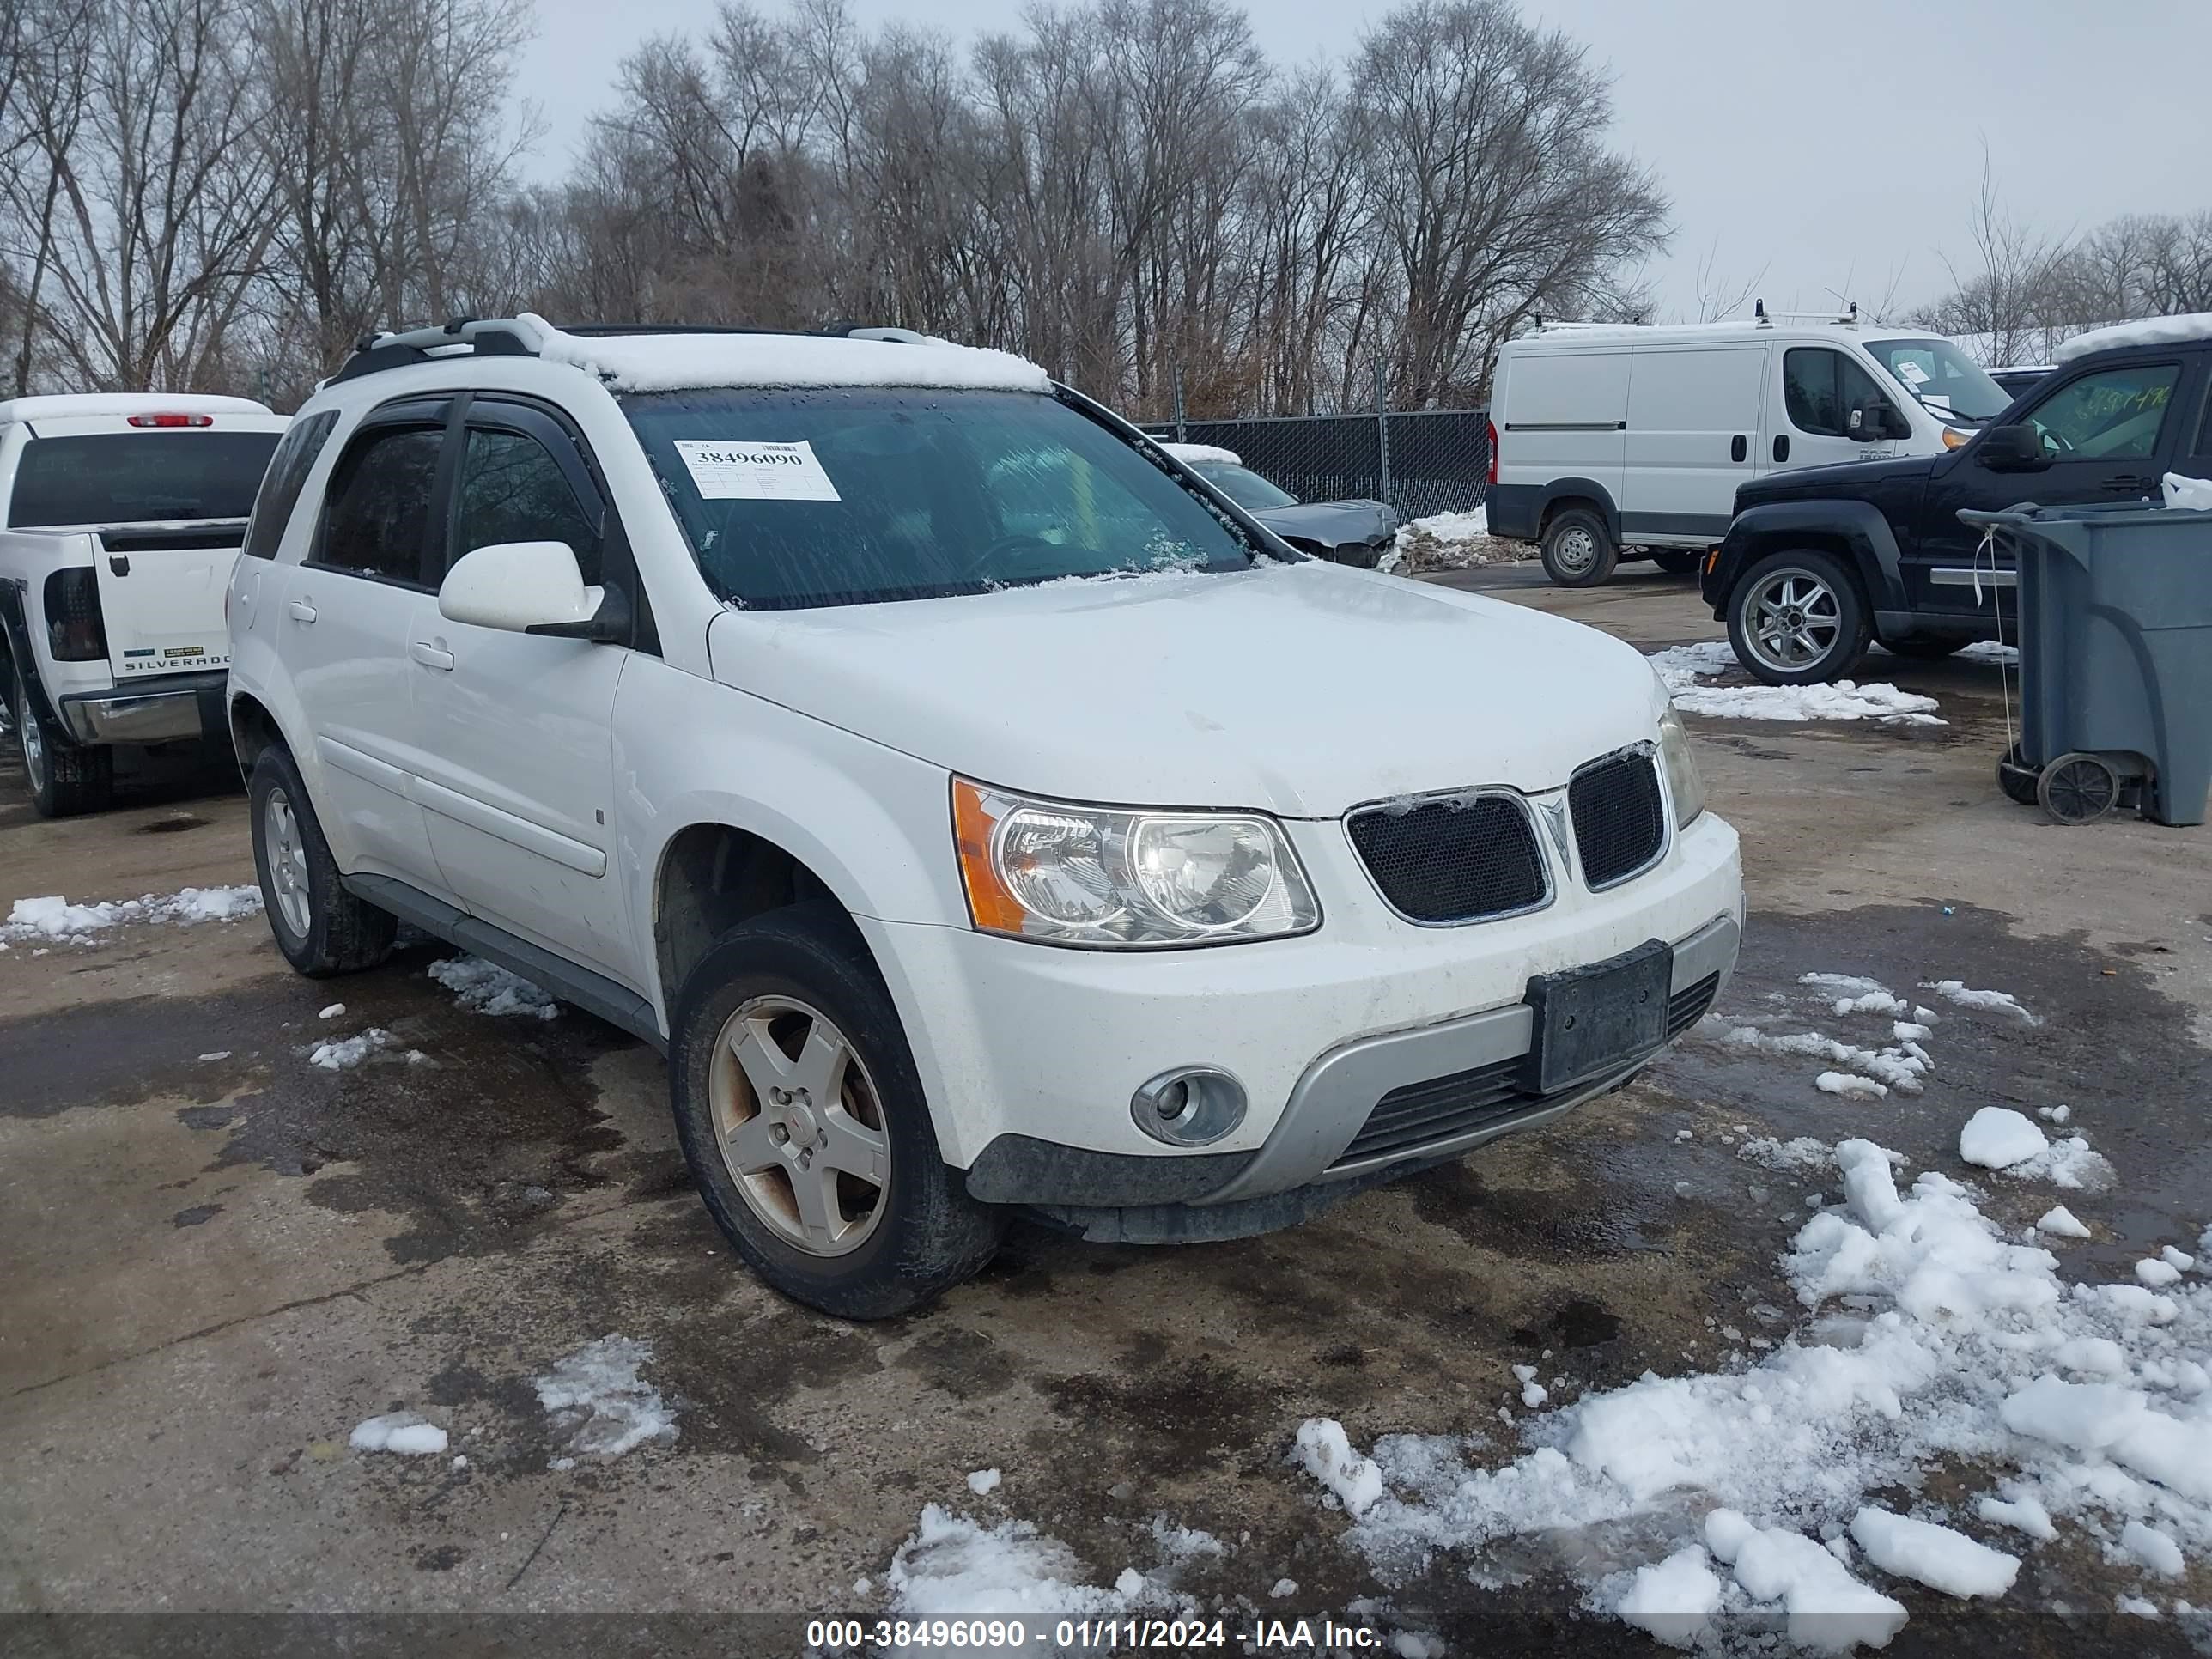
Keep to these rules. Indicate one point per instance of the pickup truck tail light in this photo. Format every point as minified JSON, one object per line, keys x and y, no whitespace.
{"x":75,"y":632}
{"x":1492,"y":425}
{"x":171,"y":419}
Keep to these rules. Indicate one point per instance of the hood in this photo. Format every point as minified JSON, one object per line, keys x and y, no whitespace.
{"x":1301,"y":689}
{"x":1810,"y":482}
{"x":1330,"y":523}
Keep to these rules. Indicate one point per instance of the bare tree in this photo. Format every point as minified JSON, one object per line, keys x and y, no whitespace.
{"x":2011,"y":297}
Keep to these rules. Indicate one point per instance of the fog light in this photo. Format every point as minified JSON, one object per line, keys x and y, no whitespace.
{"x":1190,"y":1106}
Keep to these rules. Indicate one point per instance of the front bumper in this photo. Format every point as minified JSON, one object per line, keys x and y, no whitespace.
{"x":175,"y":708}
{"x":1030,"y":1055}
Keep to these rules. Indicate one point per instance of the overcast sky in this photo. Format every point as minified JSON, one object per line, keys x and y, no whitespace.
{"x":1837,"y":146}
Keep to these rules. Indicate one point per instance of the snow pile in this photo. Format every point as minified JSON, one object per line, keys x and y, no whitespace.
{"x":599,"y":1406}
{"x":398,"y":1431}
{"x":983,"y":1480}
{"x":1997,"y":1138}
{"x":1895,"y":1066}
{"x":2150,"y":330}
{"x":1933,"y":1340}
{"x":343,"y":1054}
{"x":1683,"y":667}
{"x":489,"y":989}
{"x":54,"y":918}
{"x":1451,"y":541}
{"x":677,"y":363}
{"x":1194,"y":453}
{"x":1989,"y":651}
{"x":2003,"y":1002}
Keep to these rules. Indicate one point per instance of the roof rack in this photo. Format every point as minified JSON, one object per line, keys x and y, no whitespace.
{"x":515,"y":336}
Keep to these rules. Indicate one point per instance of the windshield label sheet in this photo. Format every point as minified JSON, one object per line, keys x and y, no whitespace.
{"x":734,"y":470}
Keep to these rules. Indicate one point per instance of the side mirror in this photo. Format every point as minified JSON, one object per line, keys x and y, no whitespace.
{"x":531,"y":587}
{"x":1872,"y":422}
{"x":2012,"y":449}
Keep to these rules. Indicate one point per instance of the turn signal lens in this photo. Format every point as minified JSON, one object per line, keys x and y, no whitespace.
{"x":1684,"y":785}
{"x":1954,"y":438}
{"x":1125,"y":877}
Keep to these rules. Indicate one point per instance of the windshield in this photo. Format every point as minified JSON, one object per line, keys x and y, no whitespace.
{"x":1944,"y":378}
{"x":1243,"y":486}
{"x":138,"y":477}
{"x":855,"y":497}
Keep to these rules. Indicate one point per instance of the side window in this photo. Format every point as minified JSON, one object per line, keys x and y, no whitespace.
{"x":377,"y":516}
{"x":2114,"y":415}
{"x":1819,"y":389}
{"x":281,"y":485}
{"x":512,"y":490}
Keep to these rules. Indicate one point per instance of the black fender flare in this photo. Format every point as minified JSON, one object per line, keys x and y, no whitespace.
{"x":1569,"y":490}
{"x":16,"y":625}
{"x":1869,"y":543}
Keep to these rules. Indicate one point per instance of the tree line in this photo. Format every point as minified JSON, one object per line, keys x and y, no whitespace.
{"x":226,"y":194}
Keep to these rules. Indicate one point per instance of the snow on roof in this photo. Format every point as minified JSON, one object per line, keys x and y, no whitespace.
{"x":677,"y":363}
{"x":2150,"y":330}
{"x":1194,"y":452}
{"x":78,"y":404}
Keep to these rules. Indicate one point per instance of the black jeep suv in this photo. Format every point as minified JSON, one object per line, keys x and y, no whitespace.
{"x":1818,"y":563}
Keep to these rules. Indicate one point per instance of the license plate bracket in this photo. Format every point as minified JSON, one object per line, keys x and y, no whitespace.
{"x":1599,"y":1018}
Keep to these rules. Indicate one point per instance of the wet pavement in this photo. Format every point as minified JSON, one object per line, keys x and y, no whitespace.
{"x":218,"y":1266}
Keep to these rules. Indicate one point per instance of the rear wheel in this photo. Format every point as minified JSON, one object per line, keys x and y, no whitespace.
{"x":1674,"y":561}
{"x":803,"y":1121}
{"x":321,"y":928}
{"x":1797,"y":619}
{"x":64,"y":778}
{"x":1577,"y":550}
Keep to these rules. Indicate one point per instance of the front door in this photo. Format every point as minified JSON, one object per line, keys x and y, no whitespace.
{"x":345,"y":615}
{"x":2104,"y":433}
{"x":1821,"y":387}
{"x":518,"y":765}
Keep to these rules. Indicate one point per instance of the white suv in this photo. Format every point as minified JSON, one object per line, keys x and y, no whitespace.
{"x":979,"y":811}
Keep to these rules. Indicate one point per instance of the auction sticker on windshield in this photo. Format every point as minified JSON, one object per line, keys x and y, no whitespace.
{"x":748,"y":471}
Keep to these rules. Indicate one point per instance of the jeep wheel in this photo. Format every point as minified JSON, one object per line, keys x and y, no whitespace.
{"x":805,"y":1124}
{"x":64,"y":778}
{"x":1797,"y":619}
{"x":1577,"y":551}
{"x":321,"y":928}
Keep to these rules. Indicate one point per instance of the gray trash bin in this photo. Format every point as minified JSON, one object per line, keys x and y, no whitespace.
{"x":2115,"y":658}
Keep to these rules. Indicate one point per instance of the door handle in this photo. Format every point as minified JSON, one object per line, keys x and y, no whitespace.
{"x":1781,"y":445}
{"x":301,"y":611}
{"x":2129,"y":481}
{"x":431,"y":657}
{"x":1739,"y":447}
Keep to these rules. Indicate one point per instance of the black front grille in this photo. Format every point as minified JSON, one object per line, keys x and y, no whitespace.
{"x":1444,"y":1109}
{"x":1457,"y":858}
{"x":1620,"y":822}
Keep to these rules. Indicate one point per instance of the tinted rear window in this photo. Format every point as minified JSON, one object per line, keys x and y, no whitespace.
{"x":138,"y":477}
{"x":794,"y":499}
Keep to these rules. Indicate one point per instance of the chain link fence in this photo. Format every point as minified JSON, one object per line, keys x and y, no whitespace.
{"x":1420,"y":461}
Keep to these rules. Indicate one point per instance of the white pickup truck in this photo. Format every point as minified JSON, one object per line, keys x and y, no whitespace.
{"x":123,"y":514}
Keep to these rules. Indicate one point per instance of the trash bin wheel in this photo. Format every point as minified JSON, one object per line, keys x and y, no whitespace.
{"x":2078,"y":788}
{"x":2016,"y":777}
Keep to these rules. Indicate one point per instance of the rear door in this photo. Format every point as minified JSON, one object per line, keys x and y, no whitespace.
{"x":1567,"y":412}
{"x":342,"y":621}
{"x":2109,"y":432}
{"x":517,"y":763}
{"x":1693,"y":415}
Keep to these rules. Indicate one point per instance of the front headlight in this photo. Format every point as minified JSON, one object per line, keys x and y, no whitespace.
{"x":1121,"y":878}
{"x":1684,"y":785}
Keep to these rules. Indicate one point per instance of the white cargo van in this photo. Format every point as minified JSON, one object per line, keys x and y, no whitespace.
{"x":1628,"y":441}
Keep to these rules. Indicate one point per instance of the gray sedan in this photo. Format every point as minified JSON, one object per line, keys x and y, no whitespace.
{"x":1349,"y":532}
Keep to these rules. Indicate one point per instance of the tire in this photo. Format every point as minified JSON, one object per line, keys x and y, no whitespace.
{"x":1926,"y":650}
{"x":891,"y":1226}
{"x":1674,"y":561}
{"x":1577,"y":549}
{"x":322,"y":929}
{"x":1831,"y":629}
{"x":64,"y":778}
{"x":2078,"y":788}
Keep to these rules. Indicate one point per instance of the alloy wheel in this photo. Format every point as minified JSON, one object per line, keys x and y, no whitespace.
{"x":800,"y":1125}
{"x":1795,"y":620}
{"x":34,"y":743}
{"x":287,"y":864}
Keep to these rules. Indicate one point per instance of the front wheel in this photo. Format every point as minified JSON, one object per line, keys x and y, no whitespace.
{"x":65,"y":778}
{"x":1577,"y":550}
{"x":1797,"y":619}
{"x":803,"y":1121}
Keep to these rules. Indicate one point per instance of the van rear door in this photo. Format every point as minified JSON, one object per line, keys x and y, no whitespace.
{"x":1693,"y":426}
{"x":1563,"y":411}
